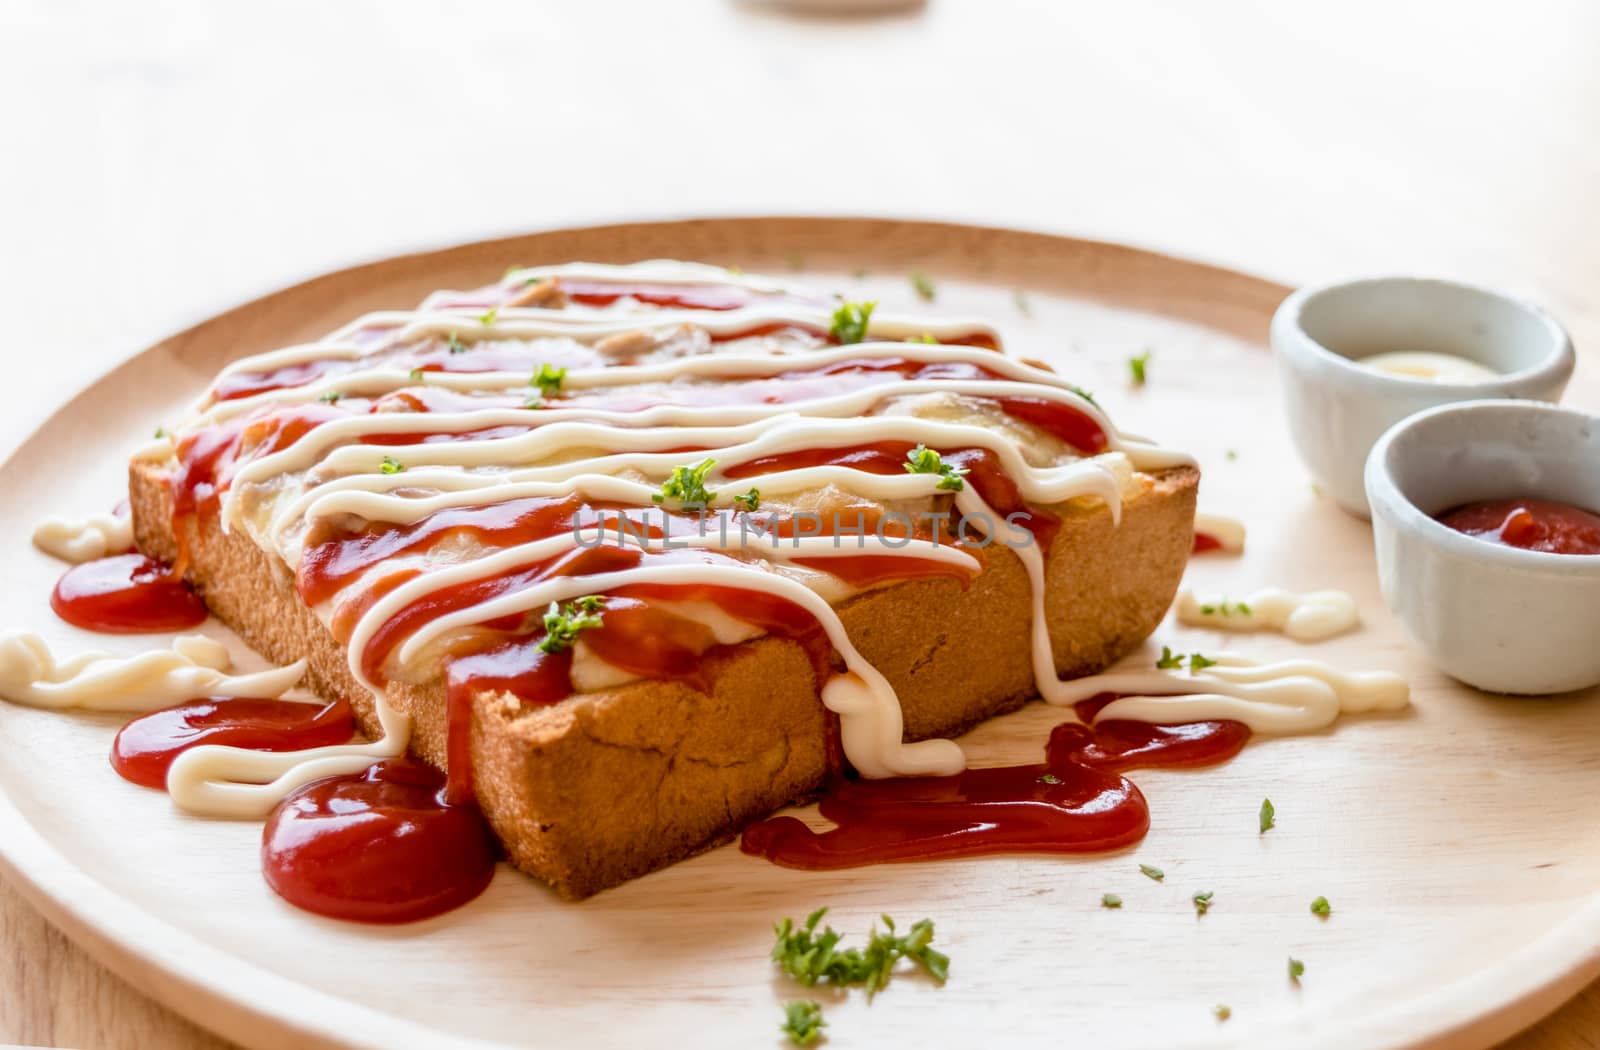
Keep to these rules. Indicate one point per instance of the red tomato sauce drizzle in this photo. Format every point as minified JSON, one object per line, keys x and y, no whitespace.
{"x":1077,"y":801}
{"x":1204,"y":542}
{"x":126,"y":594}
{"x":145,"y":748}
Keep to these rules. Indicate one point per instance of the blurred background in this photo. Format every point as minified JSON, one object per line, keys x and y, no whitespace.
{"x":161,"y":160}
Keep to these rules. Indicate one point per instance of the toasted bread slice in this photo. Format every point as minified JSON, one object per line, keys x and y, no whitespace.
{"x":604,"y":787}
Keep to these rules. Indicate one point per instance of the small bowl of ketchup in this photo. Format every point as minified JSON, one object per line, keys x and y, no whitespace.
{"x":1356,"y":357}
{"x":1486,"y":522}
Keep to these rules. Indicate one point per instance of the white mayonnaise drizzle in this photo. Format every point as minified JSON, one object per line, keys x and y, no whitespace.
{"x":1310,"y":617}
{"x":1290,"y":696}
{"x":195,"y":666}
{"x":622,"y":457}
{"x":84,"y":539}
{"x":1228,"y":532}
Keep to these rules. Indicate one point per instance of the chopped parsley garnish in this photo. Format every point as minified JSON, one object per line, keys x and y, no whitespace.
{"x":416,"y":374}
{"x":1296,"y":969}
{"x":687,"y":486}
{"x":548,"y":380}
{"x":1081,"y":392}
{"x":531,"y":281}
{"x":455,"y":344}
{"x":1171,"y":661}
{"x":749,"y":500}
{"x":1049,"y":778}
{"x":390,"y":465}
{"x":332,"y":396}
{"x":1110,"y":900}
{"x":925,"y":337}
{"x":1232,"y":454}
{"x":1202,"y":902}
{"x":850,"y":321}
{"x":923,"y":285}
{"x":1152,"y":871}
{"x":1136,"y":365}
{"x":161,"y":432}
{"x":1321,"y":908}
{"x":802,"y":1022}
{"x":924,"y":460}
{"x":562,"y":625}
{"x":487,"y":319}
{"x":1222,"y":1011}
{"x":1225,"y":608}
{"x":1021,"y":303}
{"x":1269,"y":816}
{"x":809,"y":956}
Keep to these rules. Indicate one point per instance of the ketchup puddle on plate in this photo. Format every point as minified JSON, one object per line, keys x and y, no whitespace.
{"x":126,"y":594}
{"x":381,"y":846}
{"x":1075,"y":802}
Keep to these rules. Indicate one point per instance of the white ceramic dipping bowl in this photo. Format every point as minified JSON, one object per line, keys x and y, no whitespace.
{"x":1500,"y":618}
{"x":1337,"y":407}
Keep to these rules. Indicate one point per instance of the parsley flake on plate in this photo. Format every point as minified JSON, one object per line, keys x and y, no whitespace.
{"x":810,"y":957}
{"x":1136,"y":367}
{"x":802,"y":1022}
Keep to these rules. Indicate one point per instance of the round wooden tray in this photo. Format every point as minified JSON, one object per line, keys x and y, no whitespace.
{"x":1457,"y":841}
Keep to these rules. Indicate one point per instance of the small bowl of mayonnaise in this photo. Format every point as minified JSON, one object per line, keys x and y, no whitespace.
{"x":1359,"y":356}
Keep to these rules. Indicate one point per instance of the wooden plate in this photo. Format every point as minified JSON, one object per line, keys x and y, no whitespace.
{"x":1457,"y":842}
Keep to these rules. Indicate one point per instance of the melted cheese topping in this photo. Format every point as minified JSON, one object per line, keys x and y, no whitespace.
{"x":84,"y":539}
{"x":485,"y":447}
{"x":194,"y":666}
{"x":1310,"y":617}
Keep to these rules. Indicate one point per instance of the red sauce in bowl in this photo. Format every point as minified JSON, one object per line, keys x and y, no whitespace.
{"x":1532,"y":524}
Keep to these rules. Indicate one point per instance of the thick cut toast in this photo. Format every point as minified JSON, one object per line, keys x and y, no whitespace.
{"x":607,"y":786}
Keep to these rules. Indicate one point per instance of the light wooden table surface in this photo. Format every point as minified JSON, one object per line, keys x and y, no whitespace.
{"x":166,"y":159}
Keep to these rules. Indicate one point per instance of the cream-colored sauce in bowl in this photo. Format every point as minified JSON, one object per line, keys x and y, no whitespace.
{"x":1426,"y":364}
